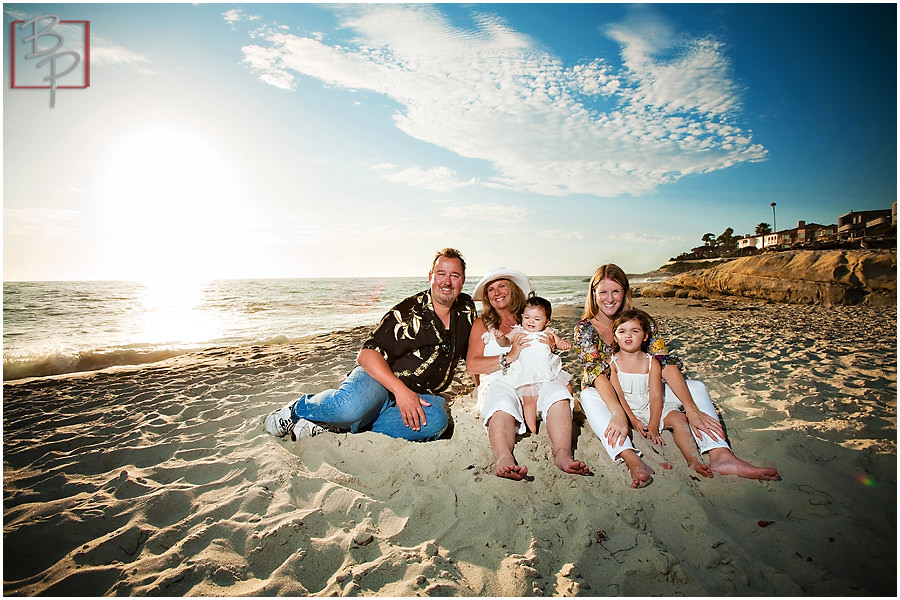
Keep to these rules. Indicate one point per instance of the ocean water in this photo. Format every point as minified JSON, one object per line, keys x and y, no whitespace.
{"x":52,"y":328}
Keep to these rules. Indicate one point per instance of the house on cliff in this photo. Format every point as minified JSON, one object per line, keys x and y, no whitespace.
{"x":867,"y":229}
{"x":803,"y":233}
{"x":854,"y":225}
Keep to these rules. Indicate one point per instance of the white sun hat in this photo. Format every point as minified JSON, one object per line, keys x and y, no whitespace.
{"x":516,"y":277}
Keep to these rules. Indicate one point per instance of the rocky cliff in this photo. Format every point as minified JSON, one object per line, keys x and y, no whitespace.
{"x":827,"y":277}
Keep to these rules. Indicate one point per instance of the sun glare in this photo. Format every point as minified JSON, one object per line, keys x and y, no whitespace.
{"x":173,"y":205}
{"x":173,"y":313}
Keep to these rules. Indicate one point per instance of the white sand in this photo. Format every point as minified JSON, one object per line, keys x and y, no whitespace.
{"x":162,"y":481}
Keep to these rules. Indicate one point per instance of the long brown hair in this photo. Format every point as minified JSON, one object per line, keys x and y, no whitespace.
{"x":516,"y":304}
{"x":614,"y":273}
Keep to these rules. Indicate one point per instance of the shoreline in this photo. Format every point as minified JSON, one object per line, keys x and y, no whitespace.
{"x":160,"y":480}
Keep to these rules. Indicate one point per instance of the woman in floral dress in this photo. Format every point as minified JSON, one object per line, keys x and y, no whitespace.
{"x":610,"y":294}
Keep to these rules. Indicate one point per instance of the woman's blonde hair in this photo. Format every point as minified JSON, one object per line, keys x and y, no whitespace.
{"x":614,"y":273}
{"x":516,"y":304}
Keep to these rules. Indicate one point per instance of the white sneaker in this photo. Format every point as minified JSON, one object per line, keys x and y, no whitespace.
{"x":304,"y":429}
{"x":280,"y":422}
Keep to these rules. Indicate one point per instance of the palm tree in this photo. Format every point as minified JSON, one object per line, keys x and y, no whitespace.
{"x":727,"y":242}
{"x":763,"y":229}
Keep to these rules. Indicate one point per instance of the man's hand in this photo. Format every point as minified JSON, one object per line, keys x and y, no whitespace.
{"x":409,"y":402}
{"x":410,"y":405}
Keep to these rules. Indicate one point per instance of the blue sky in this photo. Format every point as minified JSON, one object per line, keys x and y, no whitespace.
{"x":313,"y":140}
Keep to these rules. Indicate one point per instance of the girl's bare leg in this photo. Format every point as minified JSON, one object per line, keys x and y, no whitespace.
{"x":681,"y":431}
{"x":530,"y":406}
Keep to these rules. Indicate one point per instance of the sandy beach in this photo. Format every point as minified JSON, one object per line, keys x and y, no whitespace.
{"x":161,"y":481}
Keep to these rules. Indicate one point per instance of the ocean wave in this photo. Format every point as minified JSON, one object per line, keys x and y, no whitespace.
{"x":63,"y":363}
{"x":20,"y":364}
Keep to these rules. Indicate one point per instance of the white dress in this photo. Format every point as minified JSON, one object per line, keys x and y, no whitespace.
{"x":536,"y":364}
{"x":496,"y":394}
{"x":636,"y":387}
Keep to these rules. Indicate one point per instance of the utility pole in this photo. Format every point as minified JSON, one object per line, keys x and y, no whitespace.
{"x":774,"y":225}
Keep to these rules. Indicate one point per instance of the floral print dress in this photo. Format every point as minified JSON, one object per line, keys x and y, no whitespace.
{"x":595,"y":354}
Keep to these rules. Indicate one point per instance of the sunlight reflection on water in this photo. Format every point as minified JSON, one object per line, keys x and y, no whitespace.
{"x":172,"y":313}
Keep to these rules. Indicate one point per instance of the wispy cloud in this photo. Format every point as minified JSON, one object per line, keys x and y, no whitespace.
{"x":106,"y":53}
{"x":237,"y":15}
{"x":439,"y":179}
{"x":642,"y":238}
{"x":489,"y":212}
{"x":489,"y":92}
{"x":49,"y":222}
{"x":559,"y":234}
{"x":17,"y":15}
{"x":103,"y":52}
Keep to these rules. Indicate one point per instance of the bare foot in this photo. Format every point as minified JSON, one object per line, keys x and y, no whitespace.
{"x":726,"y":463}
{"x":701,"y":467}
{"x":568,"y":464}
{"x":507,"y":468}
{"x":641,"y":472}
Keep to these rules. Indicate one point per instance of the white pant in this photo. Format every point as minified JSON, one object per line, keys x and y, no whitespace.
{"x":598,"y":417}
{"x":497,"y":394}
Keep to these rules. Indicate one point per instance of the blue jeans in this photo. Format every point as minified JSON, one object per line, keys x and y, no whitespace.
{"x":361,"y":403}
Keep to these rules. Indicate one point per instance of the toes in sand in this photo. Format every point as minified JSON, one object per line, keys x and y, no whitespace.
{"x":511,"y":470}
{"x":570,"y":465}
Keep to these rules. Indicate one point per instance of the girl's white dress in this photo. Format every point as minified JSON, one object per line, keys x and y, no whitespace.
{"x":536,"y":364}
{"x":636,"y":387}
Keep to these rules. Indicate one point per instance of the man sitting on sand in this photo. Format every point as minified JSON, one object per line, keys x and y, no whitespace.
{"x":401,"y":369}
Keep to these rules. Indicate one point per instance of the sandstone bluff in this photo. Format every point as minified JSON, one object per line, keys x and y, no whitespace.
{"x":829,"y":277}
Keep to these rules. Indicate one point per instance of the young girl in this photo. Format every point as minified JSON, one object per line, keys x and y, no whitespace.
{"x":637,"y":379}
{"x":536,"y":364}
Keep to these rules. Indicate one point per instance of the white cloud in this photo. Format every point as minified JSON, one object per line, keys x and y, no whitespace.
{"x":266,"y":62}
{"x":45,"y":222}
{"x":697,"y":79}
{"x":236,"y":15}
{"x":559,"y":234}
{"x":642,"y":238}
{"x":489,"y":93}
{"x":491,"y":212}
{"x":105,"y":53}
{"x":439,"y":179}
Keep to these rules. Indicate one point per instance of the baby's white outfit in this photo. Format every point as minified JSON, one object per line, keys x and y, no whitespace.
{"x":536,"y":364}
{"x":636,"y":387}
{"x":496,"y":394}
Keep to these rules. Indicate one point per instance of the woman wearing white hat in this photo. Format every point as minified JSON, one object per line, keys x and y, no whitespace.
{"x":503,"y":293}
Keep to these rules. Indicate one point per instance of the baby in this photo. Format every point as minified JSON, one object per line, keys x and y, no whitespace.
{"x":536,"y":364}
